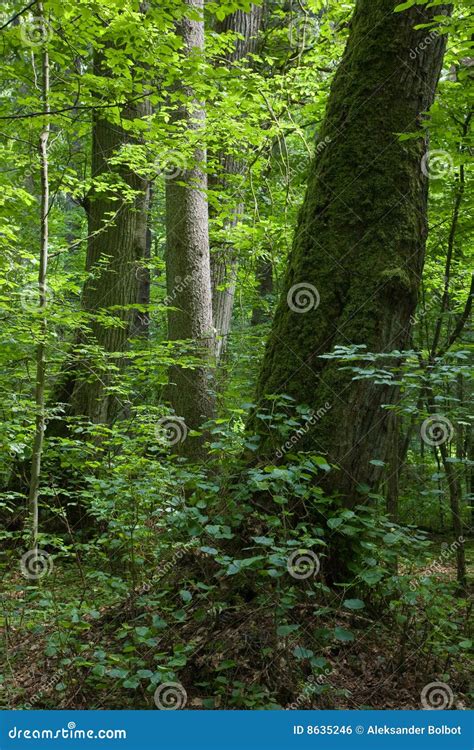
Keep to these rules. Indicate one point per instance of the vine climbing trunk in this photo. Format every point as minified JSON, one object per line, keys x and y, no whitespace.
{"x":358,"y":251}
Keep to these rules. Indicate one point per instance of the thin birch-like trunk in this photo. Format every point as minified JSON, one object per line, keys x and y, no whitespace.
{"x":42,"y":276}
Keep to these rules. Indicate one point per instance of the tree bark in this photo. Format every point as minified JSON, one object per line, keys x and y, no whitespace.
{"x":223,"y":259}
{"x":360,"y":242}
{"x":117,"y":241}
{"x":264,"y":276}
{"x":40,"y":420}
{"x":454,"y":489}
{"x":188,"y":264}
{"x":141,"y":323}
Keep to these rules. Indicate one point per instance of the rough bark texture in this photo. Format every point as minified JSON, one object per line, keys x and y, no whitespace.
{"x":117,"y":241}
{"x":141,"y":323}
{"x":223,"y":259}
{"x":360,"y":240}
{"x":188,"y":265}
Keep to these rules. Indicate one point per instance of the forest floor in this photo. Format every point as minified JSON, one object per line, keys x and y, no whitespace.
{"x":382,"y":668}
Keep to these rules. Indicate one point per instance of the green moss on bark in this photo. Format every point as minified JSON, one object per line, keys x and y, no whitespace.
{"x":360,"y":238}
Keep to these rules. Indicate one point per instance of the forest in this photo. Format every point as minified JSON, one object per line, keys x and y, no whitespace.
{"x":237,"y":455}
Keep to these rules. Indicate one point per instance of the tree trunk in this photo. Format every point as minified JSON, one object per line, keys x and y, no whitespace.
{"x":141,"y":323}
{"x":394,"y":466}
{"x":40,"y":420}
{"x":223,"y":259}
{"x":264,"y":276}
{"x":188,"y":265}
{"x":358,"y":251}
{"x":117,"y":241}
{"x":454,"y":489}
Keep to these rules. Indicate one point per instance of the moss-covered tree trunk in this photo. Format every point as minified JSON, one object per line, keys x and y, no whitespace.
{"x":359,"y":246}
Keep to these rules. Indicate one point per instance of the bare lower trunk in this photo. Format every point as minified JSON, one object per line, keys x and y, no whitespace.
{"x":223,"y":259}
{"x":188,"y":267}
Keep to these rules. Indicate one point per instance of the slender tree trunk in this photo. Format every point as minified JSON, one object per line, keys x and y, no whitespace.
{"x":454,"y":489}
{"x":470,"y":473}
{"x":264,"y":275}
{"x":223,"y":259}
{"x":40,"y":420}
{"x":394,"y":470}
{"x":358,"y":252}
{"x":141,"y":324}
{"x":188,"y":264}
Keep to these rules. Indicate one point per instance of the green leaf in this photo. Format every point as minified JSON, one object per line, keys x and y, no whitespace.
{"x":371,"y":577}
{"x":343,"y":635}
{"x":353,"y":604}
{"x":132,"y":683}
{"x":321,"y":463}
{"x":265,"y":540}
{"x":391,"y":538}
{"x":285,"y":630}
{"x":404,"y":6}
{"x":302,"y":653}
{"x":99,"y":670}
{"x":159,"y":623}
